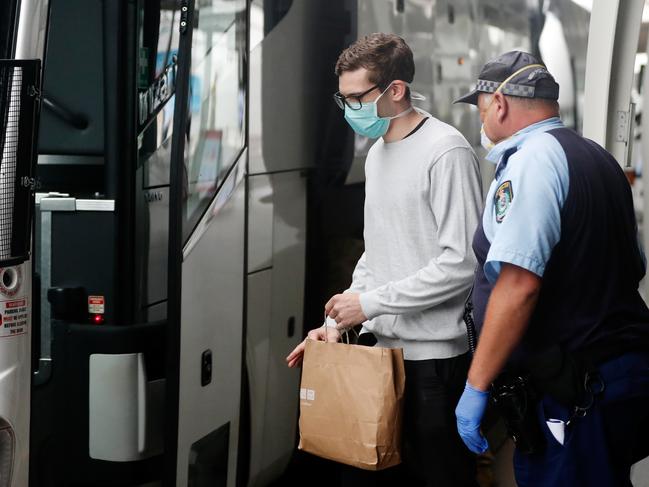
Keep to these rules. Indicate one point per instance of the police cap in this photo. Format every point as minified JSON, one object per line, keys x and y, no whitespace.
{"x":515,"y":73}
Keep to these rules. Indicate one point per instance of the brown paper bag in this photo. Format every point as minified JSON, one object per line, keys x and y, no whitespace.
{"x":351,"y":400}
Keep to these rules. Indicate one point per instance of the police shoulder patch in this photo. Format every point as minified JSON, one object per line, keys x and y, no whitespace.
{"x":503,"y":200}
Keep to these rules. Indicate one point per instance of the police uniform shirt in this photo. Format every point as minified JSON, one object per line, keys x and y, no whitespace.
{"x":561,"y":208}
{"x":522,"y":217}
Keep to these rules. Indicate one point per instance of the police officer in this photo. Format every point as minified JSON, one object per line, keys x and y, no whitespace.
{"x":556,"y":300}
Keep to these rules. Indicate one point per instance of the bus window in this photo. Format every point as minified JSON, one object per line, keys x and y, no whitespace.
{"x":216,"y":103}
{"x":158,"y":37}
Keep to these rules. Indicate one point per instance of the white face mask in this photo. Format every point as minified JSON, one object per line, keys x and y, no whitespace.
{"x":485,"y":141}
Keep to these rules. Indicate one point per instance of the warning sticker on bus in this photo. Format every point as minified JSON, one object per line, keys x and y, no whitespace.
{"x":13,"y":317}
{"x":96,"y":304}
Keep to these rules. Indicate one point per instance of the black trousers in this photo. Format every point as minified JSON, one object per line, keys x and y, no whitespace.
{"x":433,"y":453}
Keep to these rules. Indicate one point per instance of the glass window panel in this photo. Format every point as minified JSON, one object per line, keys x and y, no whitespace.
{"x":216,"y":127}
{"x":158,"y":37}
{"x":158,"y":40}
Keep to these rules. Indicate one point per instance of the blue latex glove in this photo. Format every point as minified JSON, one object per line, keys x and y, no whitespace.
{"x":469,"y":412}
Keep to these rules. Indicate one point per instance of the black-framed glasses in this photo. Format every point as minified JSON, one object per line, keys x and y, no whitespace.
{"x":352,"y":101}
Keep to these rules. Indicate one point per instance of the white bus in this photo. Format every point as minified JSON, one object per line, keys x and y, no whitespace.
{"x":199,"y":197}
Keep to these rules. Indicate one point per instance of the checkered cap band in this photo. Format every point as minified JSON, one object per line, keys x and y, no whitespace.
{"x":487,"y":86}
{"x":511,"y":89}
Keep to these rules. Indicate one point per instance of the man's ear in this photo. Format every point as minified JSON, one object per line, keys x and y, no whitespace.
{"x":502,"y":107}
{"x":398,"y":90}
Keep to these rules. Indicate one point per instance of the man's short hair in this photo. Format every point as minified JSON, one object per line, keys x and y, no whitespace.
{"x":387,"y":57}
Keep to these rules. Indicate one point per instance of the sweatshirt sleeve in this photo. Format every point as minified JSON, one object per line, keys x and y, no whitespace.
{"x":456,"y":201}
{"x":359,"y":277}
{"x":358,"y":285}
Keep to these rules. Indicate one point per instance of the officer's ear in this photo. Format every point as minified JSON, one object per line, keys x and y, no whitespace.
{"x":502,"y":106}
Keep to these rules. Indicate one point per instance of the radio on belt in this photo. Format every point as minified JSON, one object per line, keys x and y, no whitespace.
{"x":96,"y":309}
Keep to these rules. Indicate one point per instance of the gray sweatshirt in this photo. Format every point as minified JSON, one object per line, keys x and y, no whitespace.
{"x":422,"y":204}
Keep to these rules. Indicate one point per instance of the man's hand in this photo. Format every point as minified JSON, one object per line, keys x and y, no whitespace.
{"x":323,"y":333}
{"x":469,"y":412}
{"x":346,"y":310}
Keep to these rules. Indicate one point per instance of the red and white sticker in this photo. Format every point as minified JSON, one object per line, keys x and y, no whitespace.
{"x":13,"y":317}
{"x":96,"y":305}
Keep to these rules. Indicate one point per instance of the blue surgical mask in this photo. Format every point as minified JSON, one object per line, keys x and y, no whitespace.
{"x":366,"y":121}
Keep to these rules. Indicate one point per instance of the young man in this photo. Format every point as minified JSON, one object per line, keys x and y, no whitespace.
{"x":556,"y":292}
{"x":422,"y":204}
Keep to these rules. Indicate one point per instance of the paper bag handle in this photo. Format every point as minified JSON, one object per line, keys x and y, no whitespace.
{"x":345,"y":332}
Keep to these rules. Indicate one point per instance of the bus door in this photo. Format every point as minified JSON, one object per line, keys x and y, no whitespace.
{"x":207,"y":246}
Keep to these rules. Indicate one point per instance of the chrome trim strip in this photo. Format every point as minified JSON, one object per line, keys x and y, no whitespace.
{"x":95,"y":205}
{"x":73,"y":204}
{"x":58,"y":204}
{"x":44,"y":372}
{"x":69,"y":160}
{"x":39,"y":196}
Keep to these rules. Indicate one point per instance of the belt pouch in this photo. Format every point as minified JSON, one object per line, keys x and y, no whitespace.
{"x":559,"y":374}
{"x":516,"y":400}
